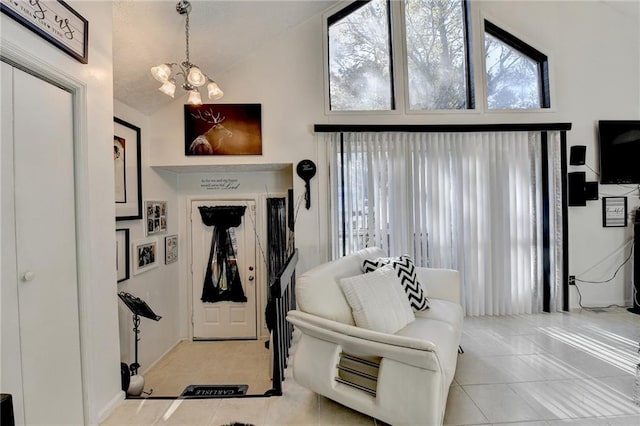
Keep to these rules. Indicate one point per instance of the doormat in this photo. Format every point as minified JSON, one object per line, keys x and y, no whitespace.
{"x":212,"y":391}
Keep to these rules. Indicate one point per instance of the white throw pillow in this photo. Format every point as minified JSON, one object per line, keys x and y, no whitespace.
{"x":377,"y":302}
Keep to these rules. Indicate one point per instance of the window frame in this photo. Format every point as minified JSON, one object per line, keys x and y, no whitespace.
{"x":332,"y":16}
{"x":526,"y":49}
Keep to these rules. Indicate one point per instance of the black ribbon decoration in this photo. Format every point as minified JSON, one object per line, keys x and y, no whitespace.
{"x":222,"y":218}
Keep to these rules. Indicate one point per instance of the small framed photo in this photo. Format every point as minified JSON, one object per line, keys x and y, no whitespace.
{"x":614,"y":212}
{"x":170,"y":249}
{"x":145,"y":255}
{"x":122,"y":254}
{"x":155,"y":217}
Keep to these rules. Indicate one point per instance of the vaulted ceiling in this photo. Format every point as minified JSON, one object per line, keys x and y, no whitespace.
{"x":149,"y":32}
{"x":222,"y":33}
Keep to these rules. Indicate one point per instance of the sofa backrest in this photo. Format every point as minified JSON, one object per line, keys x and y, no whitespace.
{"x":318,"y":290}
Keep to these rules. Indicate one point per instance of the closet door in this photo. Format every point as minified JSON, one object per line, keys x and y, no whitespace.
{"x":38,"y":215}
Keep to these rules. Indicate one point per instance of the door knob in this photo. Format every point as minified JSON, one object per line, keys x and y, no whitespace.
{"x":29,"y":276}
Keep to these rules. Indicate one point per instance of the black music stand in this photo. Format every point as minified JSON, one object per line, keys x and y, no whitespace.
{"x":140,"y":309}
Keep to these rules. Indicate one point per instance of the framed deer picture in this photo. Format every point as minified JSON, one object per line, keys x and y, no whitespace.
{"x":227,"y":129}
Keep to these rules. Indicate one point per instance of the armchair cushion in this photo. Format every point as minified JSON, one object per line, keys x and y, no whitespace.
{"x":377,"y":303}
{"x":406,"y":275}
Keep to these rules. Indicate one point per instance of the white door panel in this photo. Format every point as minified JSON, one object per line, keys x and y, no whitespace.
{"x":224,"y":320}
{"x":45,"y":250}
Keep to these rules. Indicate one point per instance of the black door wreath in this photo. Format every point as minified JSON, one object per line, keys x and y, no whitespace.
{"x":222,"y":278}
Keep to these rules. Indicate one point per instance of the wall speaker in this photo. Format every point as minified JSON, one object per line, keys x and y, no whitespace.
{"x":577,"y":155}
{"x":591,"y":190}
{"x":577,"y":195}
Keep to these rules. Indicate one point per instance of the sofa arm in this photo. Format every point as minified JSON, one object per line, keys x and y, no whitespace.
{"x":407,"y":350}
{"x":441,"y":283}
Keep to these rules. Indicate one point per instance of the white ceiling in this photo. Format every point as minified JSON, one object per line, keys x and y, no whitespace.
{"x":222,"y":33}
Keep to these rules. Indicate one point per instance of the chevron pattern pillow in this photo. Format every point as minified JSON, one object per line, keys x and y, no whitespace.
{"x":406,"y":271}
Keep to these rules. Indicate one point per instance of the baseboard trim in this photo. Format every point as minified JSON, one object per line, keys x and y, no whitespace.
{"x":111,"y":405}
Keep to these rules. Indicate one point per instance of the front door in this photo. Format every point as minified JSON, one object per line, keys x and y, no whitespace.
{"x":224,"y":319}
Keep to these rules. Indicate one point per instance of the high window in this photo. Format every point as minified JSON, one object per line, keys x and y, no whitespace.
{"x":361,"y":62}
{"x":516,"y":73}
{"x":437,"y":55}
{"x":360,"y":69}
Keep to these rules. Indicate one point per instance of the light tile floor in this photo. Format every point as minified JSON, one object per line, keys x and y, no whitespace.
{"x":534,"y":370}
{"x":232,"y":362}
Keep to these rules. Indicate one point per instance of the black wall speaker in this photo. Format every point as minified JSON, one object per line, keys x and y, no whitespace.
{"x":591,"y":190}
{"x":577,"y":195}
{"x":577,"y":155}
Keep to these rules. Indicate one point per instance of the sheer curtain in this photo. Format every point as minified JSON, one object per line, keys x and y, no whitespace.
{"x":465,"y":201}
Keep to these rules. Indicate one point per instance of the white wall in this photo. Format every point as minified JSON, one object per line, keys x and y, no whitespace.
{"x":286,"y":78}
{"x":594,"y":55}
{"x":159,"y":287}
{"x":98,"y":308}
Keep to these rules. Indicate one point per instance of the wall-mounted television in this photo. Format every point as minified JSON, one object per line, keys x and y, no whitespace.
{"x":619,"y":151}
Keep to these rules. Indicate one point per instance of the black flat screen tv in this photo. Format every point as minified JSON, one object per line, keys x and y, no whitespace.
{"x":619,"y":151}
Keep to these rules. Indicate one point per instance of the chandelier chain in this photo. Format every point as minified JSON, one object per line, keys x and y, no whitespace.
{"x":186,"y":29}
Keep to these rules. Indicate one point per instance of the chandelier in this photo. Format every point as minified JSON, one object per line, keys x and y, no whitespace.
{"x":192,"y":77}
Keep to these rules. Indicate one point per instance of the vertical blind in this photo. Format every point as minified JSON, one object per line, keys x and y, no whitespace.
{"x":466,"y":201}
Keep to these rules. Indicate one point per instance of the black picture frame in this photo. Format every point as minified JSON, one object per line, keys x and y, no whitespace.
{"x":56,"y":22}
{"x":126,"y":133}
{"x":122,"y":255}
{"x":614,"y":212}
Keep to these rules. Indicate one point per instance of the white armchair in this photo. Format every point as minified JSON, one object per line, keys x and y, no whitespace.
{"x":405,"y":376}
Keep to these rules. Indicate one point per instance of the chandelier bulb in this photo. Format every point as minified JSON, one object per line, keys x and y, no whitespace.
{"x":196,"y":77}
{"x":194,"y":98}
{"x":168,"y":88}
{"x":161,"y":72}
{"x":214,"y":91}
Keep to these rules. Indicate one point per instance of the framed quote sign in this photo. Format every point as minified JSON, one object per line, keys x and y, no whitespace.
{"x":54,"y":21}
{"x":614,"y":212}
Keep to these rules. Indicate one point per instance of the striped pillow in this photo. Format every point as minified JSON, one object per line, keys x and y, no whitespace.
{"x":406,"y":272}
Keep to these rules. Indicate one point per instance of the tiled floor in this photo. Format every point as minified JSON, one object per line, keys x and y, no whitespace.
{"x":233,"y":362}
{"x":533,"y":370}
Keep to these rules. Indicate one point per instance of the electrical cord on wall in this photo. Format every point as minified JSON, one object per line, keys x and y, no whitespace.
{"x":634,"y":292}
{"x":591,"y":308}
{"x":614,"y":274}
{"x":621,"y":186}
{"x":624,"y":194}
{"x":589,"y":167}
